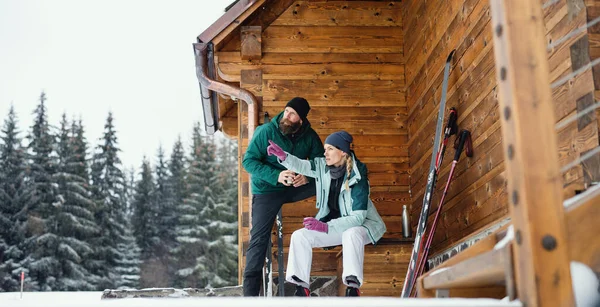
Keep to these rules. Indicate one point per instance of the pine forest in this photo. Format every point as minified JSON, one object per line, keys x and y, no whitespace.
{"x":72,"y":218}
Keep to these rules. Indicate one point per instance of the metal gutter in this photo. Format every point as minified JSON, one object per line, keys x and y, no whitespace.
{"x":209,"y":88}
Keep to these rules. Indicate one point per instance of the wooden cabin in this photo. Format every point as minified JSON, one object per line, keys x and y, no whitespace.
{"x":374,"y":69}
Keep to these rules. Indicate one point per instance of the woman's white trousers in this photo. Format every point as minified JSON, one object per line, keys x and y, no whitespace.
{"x":353,"y":243}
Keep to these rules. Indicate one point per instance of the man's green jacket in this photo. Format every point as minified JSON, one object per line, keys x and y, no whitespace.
{"x":305,"y":144}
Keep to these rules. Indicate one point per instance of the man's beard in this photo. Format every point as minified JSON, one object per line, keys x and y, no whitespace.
{"x":287,"y":127}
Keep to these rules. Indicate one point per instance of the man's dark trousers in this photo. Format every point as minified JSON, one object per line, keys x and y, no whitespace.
{"x":264,"y":211}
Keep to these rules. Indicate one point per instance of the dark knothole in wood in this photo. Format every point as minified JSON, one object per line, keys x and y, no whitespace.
{"x":295,"y":12}
{"x":503,"y":73}
{"x":515,"y":197}
{"x":510,"y":152}
{"x":506,"y":113}
{"x":549,"y":242}
{"x":518,"y":236}
{"x":499,"y":30}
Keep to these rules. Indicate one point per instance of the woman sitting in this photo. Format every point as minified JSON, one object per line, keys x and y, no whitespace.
{"x":346,"y":215}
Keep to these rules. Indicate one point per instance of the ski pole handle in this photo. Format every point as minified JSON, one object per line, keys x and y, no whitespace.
{"x":451,"y":127}
{"x":464,"y":139}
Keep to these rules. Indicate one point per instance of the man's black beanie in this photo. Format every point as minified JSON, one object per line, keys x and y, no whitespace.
{"x":300,"y":105}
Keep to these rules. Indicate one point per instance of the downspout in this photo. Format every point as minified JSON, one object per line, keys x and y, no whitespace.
{"x":209,"y":87}
{"x":205,"y":72}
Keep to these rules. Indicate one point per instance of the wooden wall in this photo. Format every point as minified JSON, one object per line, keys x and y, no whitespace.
{"x":346,"y":58}
{"x":477,"y":196}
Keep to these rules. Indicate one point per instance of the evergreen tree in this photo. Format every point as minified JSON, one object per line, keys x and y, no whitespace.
{"x":145,"y":213}
{"x":108,"y":192}
{"x":12,"y":201}
{"x":128,"y":265}
{"x":129,"y":191}
{"x":164,"y":195}
{"x":220,"y":262}
{"x":43,"y":190}
{"x":179,"y":189}
{"x":78,"y":167}
{"x":156,"y":269}
{"x":73,"y":222}
{"x":192,"y":234}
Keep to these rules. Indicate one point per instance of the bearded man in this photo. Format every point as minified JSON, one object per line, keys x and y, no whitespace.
{"x":273,"y":185}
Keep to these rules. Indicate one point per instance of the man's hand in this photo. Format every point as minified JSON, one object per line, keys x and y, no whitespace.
{"x":286,"y":177}
{"x":300,"y":180}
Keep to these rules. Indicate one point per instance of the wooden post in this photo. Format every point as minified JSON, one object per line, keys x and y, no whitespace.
{"x":250,"y":80}
{"x":251,"y":48}
{"x":541,"y":255}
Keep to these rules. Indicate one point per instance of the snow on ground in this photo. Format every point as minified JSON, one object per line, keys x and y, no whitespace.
{"x":92,"y":299}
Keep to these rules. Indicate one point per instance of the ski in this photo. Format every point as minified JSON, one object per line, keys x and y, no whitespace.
{"x":431,"y":179}
{"x":463,"y":141}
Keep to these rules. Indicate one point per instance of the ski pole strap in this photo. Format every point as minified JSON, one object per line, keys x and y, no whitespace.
{"x":451,"y":126}
{"x":464,"y":139}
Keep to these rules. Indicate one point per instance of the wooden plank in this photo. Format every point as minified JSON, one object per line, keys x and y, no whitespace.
{"x":471,"y":54}
{"x":339,"y":39}
{"x":487,"y":269}
{"x":472,"y":86}
{"x":566,"y":96}
{"x":582,"y":214}
{"x":342,"y":13}
{"x":231,"y":72}
{"x":251,"y":45}
{"x":542,"y":270}
{"x":390,"y":92}
{"x":487,"y":154}
{"x":311,"y":58}
{"x":264,"y":14}
{"x":444,"y":32}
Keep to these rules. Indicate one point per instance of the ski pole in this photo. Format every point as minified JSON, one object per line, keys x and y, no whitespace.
{"x":431,"y":180}
{"x":22,"y":280}
{"x":464,"y":139}
{"x":451,"y":129}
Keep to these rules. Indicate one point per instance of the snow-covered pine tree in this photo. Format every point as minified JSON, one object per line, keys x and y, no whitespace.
{"x":164,"y":195}
{"x":220,"y":262}
{"x":156,"y":270}
{"x":108,"y":190}
{"x":128,"y":265}
{"x":73,"y":223}
{"x":129,"y":191}
{"x":145,"y":212}
{"x":79,"y":166}
{"x":43,"y":190}
{"x":191,"y":230}
{"x":12,"y":202}
{"x":177,"y":182}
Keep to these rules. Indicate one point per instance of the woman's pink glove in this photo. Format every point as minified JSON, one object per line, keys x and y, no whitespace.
{"x":274,"y":149}
{"x":312,"y":223}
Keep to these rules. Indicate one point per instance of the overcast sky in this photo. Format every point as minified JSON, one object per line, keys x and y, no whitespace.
{"x":131,"y":57}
